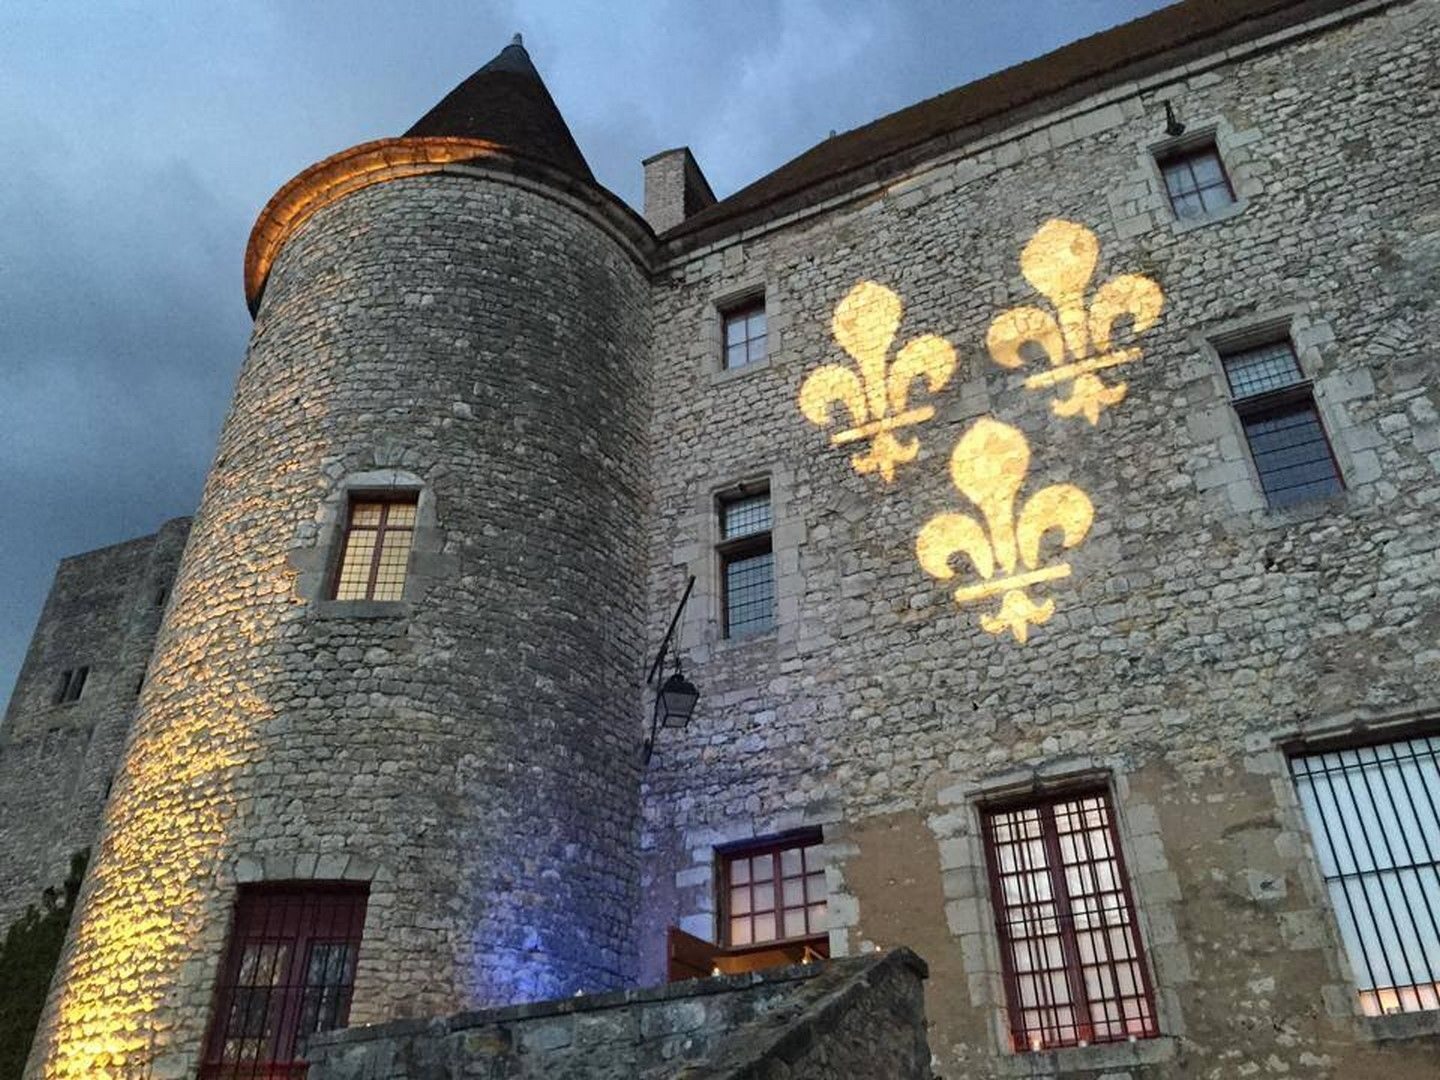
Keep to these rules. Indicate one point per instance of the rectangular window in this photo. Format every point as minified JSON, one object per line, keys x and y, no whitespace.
{"x":288,"y":972}
{"x":376,"y":550}
{"x":1374,"y":813}
{"x":745,"y":334}
{"x":1282,"y":425}
{"x":72,"y":685}
{"x":747,"y":564}
{"x":1073,"y":966}
{"x":1196,"y":182}
{"x":774,"y":894}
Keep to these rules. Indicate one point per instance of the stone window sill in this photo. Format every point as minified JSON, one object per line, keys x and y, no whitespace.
{"x":1078,"y":1059}
{"x":360,"y":609}
{"x":1416,"y":1025}
{"x":724,"y":374}
{"x":1225,"y":213}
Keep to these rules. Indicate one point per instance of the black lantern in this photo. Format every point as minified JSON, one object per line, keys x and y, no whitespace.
{"x":676,"y":696}
{"x":676,"y":700}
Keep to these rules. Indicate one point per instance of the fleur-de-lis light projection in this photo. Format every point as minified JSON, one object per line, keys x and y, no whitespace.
{"x":1059,"y":262}
{"x":988,"y":466}
{"x":876,"y":393}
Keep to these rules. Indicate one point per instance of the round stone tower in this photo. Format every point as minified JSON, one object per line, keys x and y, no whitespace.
{"x":451,"y":326}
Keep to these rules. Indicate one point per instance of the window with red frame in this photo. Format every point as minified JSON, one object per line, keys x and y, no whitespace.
{"x":288,"y":972}
{"x":774,"y":894}
{"x":376,"y":551}
{"x":1073,"y":966}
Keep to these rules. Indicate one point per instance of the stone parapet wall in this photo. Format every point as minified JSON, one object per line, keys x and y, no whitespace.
{"x":861,"y":1018}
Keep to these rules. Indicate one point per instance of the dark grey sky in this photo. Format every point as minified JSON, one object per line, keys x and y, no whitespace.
{"x":138,"y":140}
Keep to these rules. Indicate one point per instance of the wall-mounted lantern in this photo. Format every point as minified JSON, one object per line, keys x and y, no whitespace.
{"x":676,"y":697}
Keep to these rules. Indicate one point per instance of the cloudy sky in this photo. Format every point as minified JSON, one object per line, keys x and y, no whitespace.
{"x":138,"y":140}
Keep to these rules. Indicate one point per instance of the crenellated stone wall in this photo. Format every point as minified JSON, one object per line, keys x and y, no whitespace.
{"x":1198,"y":637}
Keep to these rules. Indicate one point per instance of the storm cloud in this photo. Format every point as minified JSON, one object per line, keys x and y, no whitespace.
{"x":139,"y":140}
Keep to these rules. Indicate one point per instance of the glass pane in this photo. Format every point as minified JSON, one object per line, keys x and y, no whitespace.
{"x":735,"y":356}
{"x":740,"y":931}
{"x":815,"y":887}
{"x":1188,"y":206}
{"x":792,"y":863}
{"x":765,"y":927}
{"x":755,"y":324}
{"x":764,"y":867}
{"x":794,"y":892}
{"x":1207,"y":170}
{"x":366,"y":513}
{"x":739,"y":871}
{"x":764,"y":897}
{"x":746,"y":516}
{"x":795,"y":923}
{"x":401,"y":515}
{"x":1255,"y":371}
{"x":740,"y":901}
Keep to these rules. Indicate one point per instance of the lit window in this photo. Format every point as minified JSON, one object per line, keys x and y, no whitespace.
{"x":72,"y":684}
{"x":1196,"y":182}
{"x":747,"y":564}
{"x":1277,"y":409}
{"x":1073,"y":966}
{"x":376,"y":550}
{"x":775,"y":893}
{"x":288,"y":973}
{"x":745,"y":334}
{"x":1374,"y":814}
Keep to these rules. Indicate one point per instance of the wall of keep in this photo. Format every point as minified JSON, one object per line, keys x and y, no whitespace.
{"x":480,"y":339}
{"x":1198,"y":632}
{"x":57,"y":759}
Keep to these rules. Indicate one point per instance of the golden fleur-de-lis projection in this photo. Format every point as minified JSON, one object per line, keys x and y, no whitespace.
{"x":876,"y":392}
{"x":1059,"y":262}
{"x":988,"y":466}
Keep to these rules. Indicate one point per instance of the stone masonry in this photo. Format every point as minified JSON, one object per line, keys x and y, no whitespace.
{"x":504,"y":341}
{"x":57,"y":758}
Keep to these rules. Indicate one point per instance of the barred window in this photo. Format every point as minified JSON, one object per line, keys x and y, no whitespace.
{"x":376,"y":549}
{"x":1374,"y":814}
{"x":289,"y":972}
{"x":1282,"y":425}
{"x":774,"y":893}
{"x":1196,"y":182}
{"x":746,"y":334}
{"x":1073,"y":966}
{"x":747,"y":564}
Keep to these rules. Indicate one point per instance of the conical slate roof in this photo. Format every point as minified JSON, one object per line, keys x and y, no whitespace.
{"x":507,"y":103}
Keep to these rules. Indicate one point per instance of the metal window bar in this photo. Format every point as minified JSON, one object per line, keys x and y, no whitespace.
{"x":1072,"y":962}
{"x":376,"y":550}
{"x":747,"y":565}
{"x":289,"y":972}
{"x":1373,"y":813}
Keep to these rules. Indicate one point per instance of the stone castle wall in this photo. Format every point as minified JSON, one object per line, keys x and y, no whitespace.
{"x":468,"y":750}
{"x":1199,"y":633}
{"x":57,"y":758}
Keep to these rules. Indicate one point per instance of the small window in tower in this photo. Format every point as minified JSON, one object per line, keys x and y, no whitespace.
{"x":376,"y":550}
{"x":1282,"y":425}
{"x":745,"y":333}
{"x":774,"y":893}
{"x":288,"y":972}
{"x":1196,"y":181}
{"x":72,"y":685}
{"x":747,"y":563}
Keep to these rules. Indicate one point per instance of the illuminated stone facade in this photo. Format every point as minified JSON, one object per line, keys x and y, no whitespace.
{"x":515,"y":347}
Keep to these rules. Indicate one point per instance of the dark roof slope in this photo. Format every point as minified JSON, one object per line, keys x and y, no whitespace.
{"x":506,"y":102}
{"x":1164,"y":39}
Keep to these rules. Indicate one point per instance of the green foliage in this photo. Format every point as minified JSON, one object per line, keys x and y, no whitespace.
{"x":28,"y":956}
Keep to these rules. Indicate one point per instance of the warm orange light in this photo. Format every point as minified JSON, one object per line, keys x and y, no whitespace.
{"x":875,"y":395}
{"x":988,"y":467}
{"x":1059,"y":262}
{"x":339,"y":175}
